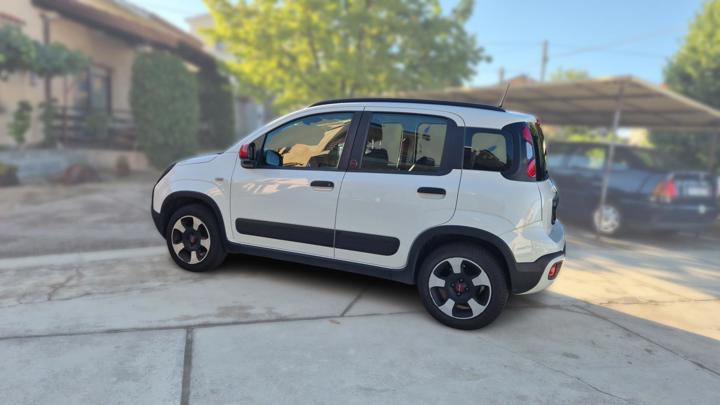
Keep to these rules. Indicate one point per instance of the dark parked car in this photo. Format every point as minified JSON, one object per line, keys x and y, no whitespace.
{"x":643,"y":193}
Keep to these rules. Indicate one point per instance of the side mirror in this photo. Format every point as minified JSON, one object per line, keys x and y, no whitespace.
{"x":248,"y":159}
{"x":273,"y":158}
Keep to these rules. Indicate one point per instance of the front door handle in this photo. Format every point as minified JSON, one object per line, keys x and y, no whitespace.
{"x":322,"y":184}
{"x":431,"y":190}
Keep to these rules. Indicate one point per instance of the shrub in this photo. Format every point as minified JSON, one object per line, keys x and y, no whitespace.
{"x":22,"y":119}
{"x":164,"y":103}
{"x":216,"y":109}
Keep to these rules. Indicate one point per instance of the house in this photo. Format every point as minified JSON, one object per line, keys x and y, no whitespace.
{"x":249,"y":115}
{"x":111,"y":33}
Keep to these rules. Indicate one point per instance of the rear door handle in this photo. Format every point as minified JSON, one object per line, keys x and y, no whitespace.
{"x":322,"y":184}
{"x":431,"y":190}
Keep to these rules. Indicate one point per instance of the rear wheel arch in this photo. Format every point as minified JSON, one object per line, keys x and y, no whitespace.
{"x":434,"y":238}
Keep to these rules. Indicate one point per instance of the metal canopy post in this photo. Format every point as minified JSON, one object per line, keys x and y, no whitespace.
{"x":611,"y":155}
{"x":712,"y":163}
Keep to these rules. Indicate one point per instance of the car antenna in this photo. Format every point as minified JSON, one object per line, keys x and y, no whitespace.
{"x":502,"y":99}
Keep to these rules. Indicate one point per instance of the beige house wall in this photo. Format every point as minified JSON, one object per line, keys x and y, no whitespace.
{"x":104,"y":50}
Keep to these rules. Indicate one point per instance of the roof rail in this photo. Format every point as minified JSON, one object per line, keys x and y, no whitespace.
{"x":407,"y":100}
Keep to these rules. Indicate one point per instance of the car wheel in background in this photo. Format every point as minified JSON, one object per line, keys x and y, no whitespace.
{"x":193,"y":239}
{"x":463,"y":286}
{"x":607,"y":221}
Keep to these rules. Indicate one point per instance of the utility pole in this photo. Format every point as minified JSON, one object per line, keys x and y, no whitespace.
{"x":544,"y":60}
{"x":501,"y":75}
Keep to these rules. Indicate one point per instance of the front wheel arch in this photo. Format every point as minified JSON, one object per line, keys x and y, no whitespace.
{"x":179,"y":199}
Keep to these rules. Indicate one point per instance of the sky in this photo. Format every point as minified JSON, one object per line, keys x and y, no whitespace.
{"x":609,"y":37}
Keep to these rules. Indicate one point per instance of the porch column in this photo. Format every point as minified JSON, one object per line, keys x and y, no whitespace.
{"x":46,"y":40}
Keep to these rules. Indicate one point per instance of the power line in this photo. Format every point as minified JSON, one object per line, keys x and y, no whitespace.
{"x":614,"y":44}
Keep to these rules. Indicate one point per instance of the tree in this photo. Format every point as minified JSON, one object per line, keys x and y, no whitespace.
{"x":296,"y":52}
{"x":216,"y":108}
{"x":694,"y":72}
{"x":562,"y":75}
{"x":164,"y":103}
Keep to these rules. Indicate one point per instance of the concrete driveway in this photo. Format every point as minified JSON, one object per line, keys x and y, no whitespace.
{"x":98,"y":313}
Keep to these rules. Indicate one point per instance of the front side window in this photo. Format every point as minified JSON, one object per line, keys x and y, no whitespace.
{"x":404,"y":143}
{"x":316,"y":141}
{"x":486,"y":150}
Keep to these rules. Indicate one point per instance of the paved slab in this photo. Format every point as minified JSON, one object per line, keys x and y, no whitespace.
{"x":118,"y":368}
{"x":532,"y":356}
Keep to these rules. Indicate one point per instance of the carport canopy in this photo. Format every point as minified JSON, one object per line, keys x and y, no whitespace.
{"x":594,"y":103}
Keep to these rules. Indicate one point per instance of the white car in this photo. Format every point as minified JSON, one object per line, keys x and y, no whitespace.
{"x":452,"y":197}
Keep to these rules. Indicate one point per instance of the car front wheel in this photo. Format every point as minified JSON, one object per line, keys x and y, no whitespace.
{"x":463,"y":286}
{"x":193,"y":239}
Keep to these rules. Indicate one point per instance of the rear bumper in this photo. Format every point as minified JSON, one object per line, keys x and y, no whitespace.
{"x":533,"y":277}
{"x":675,"y":217}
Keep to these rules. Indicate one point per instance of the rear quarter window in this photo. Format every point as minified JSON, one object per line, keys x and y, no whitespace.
{"x":486,"y":150}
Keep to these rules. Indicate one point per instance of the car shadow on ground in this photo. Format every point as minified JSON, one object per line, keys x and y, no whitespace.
{"x":617,"y":355}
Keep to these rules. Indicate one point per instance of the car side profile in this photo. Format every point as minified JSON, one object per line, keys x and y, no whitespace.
{"x":452,"y":197}
{"x":643,"y":192}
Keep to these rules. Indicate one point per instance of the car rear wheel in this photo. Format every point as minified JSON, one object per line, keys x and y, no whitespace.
{"x":607,"y":220}
{"x":463,"y":286}
{"x":193,"y":239}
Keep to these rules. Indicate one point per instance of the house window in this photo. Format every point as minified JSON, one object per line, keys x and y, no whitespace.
{"x":93,"y":89}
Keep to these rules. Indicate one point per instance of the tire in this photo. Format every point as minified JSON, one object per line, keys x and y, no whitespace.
{"x":194,"y":240}
{"x":612,"y":221}
{"x":462,"y":273}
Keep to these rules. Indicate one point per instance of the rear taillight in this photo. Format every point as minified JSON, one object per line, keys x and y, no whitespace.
{"x":554,"y":270}
{"x":665,"y":191}
{"x":529,"y":152}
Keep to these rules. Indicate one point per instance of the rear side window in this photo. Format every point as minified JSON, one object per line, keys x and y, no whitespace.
{"x":588,"y":158}
{"x":404,"y":143}
{"x":558,"y":155}
{"x":486,"y":150}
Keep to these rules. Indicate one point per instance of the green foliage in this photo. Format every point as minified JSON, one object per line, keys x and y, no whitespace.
{"x":48,"y":113}
{"x":297,"y":52}
{"x":216,"y":109}
{"x":164,"y":103}
{"x":19,"y":53}
{"x":695,"y":72}
{"x":97,"y":125}
{"x":563,"y":75}
{"x":56,"y":60}
{"x":20,"y":124}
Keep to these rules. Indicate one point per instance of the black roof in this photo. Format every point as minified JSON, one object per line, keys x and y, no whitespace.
{"x":408,"y":100}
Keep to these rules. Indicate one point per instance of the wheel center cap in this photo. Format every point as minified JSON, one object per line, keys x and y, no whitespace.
{"x":459,"y":287}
